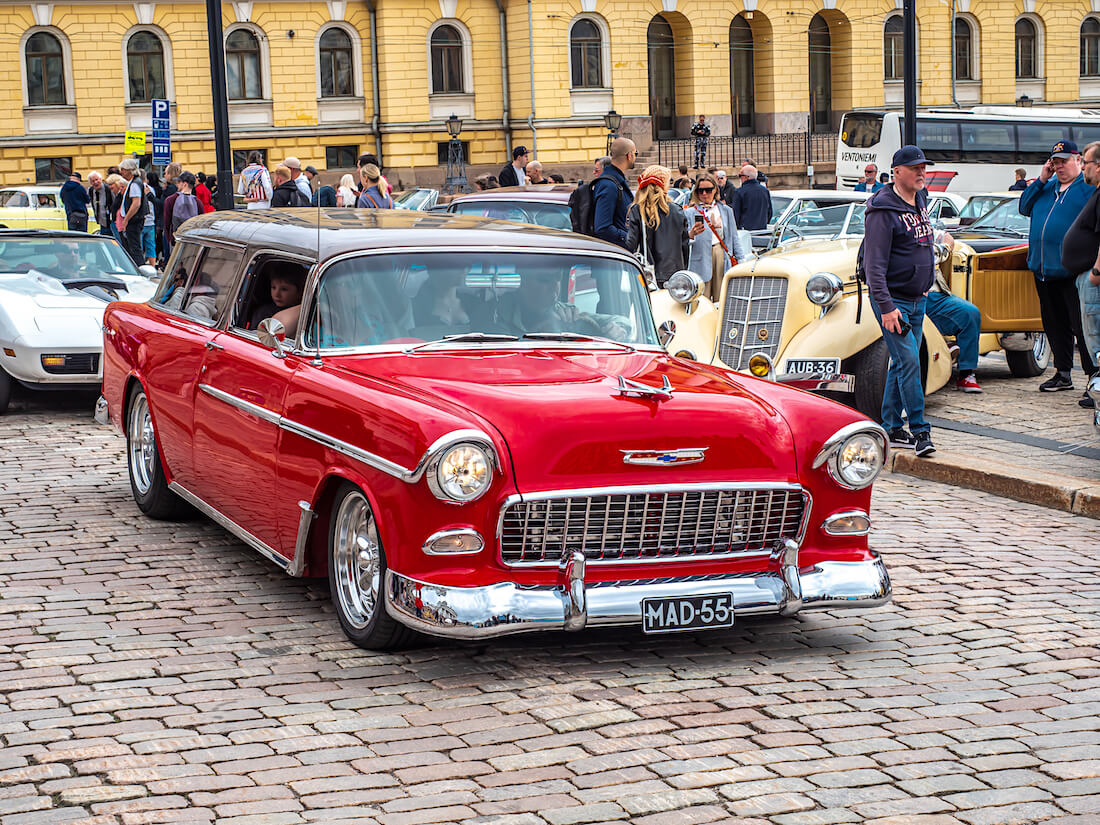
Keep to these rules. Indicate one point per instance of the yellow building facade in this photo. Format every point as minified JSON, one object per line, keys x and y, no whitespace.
{"x":327,"y":79}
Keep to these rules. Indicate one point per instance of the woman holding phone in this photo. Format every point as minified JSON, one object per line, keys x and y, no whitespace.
{"x":715,"y":245}
{"x":657,"y":225}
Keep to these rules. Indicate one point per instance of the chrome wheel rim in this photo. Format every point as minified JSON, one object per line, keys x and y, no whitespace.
{"x":1041,"y":351}
{"x":142,"y":445}
{"x":357,"y":556}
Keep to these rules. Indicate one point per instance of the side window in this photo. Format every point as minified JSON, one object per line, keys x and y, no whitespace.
{"x":947,"y":210}
{"x":174,"y":282}
{"x":270,"y":286}
{"x":209,"y":289}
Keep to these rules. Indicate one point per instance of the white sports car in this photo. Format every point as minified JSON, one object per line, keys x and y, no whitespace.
{"x":54,"y":286}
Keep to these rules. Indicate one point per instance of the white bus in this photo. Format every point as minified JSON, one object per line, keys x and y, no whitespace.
{"x":984,"y":145}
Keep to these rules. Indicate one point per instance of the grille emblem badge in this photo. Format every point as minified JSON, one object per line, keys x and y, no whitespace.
{"x":762,"y":334}
{"x":664,"y":458}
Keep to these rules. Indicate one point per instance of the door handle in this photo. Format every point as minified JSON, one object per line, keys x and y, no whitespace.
{"x":210,"y":345}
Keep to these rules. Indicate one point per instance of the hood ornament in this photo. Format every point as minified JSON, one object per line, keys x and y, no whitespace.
{"x":664,"y":458}
{"x":633,"y":388}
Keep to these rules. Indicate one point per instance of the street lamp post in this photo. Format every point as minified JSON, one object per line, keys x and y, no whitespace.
{"x":456,"y":163}
{"x":223,"y":153}
{"x":612,"y":120}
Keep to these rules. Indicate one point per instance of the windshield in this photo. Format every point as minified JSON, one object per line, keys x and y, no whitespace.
{"x":1005,"y":217}
{"x":414,"y":199}
{"x":842,"y":219}
{"x":861,"y":130}
{"x":550,"y":215}
{"x":980,"y":205}
{"x":65,"y":258}
{"x":418,"y":297}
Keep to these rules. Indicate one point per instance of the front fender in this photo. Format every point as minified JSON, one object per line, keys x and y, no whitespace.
{"x":695,"y":333}
{"x":836,"y":333}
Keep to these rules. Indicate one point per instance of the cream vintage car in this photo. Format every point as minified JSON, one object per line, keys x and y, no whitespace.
{"x":35,"y":207}
{"x":791,"y":313}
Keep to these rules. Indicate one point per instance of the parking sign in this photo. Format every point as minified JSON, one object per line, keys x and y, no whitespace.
{"x":162,"y":134}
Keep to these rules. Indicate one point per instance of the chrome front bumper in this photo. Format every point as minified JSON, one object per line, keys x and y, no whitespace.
{"x":833,"y":381}
{"x":506,"y":607}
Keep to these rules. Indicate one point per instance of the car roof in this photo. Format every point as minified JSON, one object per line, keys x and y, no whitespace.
{"x":61,"y":234}
{"x":33,"y":188}
{"x":837,"y":194}
{"x":1005,"y":195}
{"x":337,"y":230}
{"x":544,"y":192}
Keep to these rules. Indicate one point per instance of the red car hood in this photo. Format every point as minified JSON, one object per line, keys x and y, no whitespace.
{"x":567,"y":425}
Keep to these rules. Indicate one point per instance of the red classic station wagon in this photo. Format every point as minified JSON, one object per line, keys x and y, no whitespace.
{"x":471,"y":427}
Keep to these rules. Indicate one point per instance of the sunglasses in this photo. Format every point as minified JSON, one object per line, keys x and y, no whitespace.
{"x":704,"y":188}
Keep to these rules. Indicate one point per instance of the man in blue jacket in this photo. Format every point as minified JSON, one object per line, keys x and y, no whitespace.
{"x":900,"y":269}
{"x":75,"y":198}
{"x":611,"y":196}
{"x":1053,"y":201}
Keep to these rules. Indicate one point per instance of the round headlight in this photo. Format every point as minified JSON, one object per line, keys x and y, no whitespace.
{"x":859,"y":460}
{"x":684,"y":286}
{"x":823,"y":288}
{"x":462,"y":473}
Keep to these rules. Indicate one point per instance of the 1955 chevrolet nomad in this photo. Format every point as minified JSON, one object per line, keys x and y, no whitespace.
{"x":471,"y":427}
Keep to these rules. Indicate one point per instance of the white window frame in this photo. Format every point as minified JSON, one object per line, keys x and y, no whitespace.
{"x":1040,"y":46}
{"x":66,"y":64}
{"x":605,"y":52}
{"x":975,"y":47}
{"x":356,"y":58}
{"x":265,"y":60}
{"x":442,"y":105}
{"x":166,"y":45}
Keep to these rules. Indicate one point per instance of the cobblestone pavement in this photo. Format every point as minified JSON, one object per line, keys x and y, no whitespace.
{"x":1016,"y":405}
{"x":154,"y":673}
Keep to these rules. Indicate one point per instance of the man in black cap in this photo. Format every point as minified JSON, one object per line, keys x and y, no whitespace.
{"x":1053,"y":201}
{"x":515,"y":173}
{"x":900,"y":269}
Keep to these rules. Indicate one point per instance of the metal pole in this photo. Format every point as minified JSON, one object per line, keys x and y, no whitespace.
{"x":222,"y":151}
{"x":910,"y":71}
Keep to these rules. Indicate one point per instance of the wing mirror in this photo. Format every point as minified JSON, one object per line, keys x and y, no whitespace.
{"x":149,"y":272}
{"x":665,"y":332}
{"x":272,"y":334}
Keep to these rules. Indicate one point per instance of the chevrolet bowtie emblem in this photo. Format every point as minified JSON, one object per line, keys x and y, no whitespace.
{"x":664,"y":458}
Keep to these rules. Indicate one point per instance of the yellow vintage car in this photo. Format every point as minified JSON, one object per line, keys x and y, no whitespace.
{"x":35,"y":207}
{"x":790,"y":314}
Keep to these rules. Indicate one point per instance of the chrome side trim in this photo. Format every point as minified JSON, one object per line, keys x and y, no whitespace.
{"x":350,"y":450}
{"x":262,"y":413}
{"x":826,"y":526}
{"x":230,"y":525}
{"x":505,"y":607}
{"x":305,"y":520}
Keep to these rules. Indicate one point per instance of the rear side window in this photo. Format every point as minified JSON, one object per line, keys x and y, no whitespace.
{"x":174,"y":282}
{"x":211,"y":287}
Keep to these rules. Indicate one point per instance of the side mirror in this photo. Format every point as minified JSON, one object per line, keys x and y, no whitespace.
{"x":148,"y":271}
{"x":272,"y":334}
{"x":665,"y":332}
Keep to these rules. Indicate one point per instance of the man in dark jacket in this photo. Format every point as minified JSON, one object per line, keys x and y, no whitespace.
{"x":75,"y":198}
{"x":752,"y":205}
{"x":100,"y":197}
{"x":726,"y":190}
{"x":1053,"y":201}
{"x":900,"y":269}
{"x":611,"y":197}
{"x":514,"y":173}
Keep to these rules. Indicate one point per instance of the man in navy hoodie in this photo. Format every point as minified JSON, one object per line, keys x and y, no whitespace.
{"x":1053,"y":201}
{"x":900,"y":269}
{"x":75,"y":198}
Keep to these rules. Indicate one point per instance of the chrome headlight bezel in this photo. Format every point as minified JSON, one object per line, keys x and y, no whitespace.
{"x":826,"y":285}
{"x":836,"y":451}
{"x":444,"y":488}
{"x":684,"y":286}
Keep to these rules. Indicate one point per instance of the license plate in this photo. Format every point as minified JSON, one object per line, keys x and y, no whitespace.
{"x":668,"y":615}
{"x":813,"y":366}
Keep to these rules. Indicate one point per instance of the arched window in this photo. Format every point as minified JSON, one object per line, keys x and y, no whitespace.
{"x":45,"y":70}
{"x":964,"y":50}
{"x":447,"y":60}
{"x":336,"y":64}
{"x":1027,"y":49}
{"x":1090,"y":47}
{"x":586,"y":55}
{"x":145,"y":67}
{"x":893,"y":48}
{"x":243,"y":66}
{"x":742,"y":86}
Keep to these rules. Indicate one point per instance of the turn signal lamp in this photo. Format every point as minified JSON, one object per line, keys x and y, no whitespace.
{"x":760,"y":365}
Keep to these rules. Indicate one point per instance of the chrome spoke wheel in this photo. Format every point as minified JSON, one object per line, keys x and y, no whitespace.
{"x":357,"y":560}
{"x":141,"y":445}
{"x":1041,"y":351}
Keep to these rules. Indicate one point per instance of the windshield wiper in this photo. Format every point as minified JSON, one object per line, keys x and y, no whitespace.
{"x":465,"y":337}
{"x":575,"y":336}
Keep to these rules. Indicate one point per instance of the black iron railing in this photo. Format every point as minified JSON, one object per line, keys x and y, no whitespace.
{"x":764,"y":150}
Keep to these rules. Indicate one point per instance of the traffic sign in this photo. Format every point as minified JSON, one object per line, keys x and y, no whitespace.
{"x":162,"y":133}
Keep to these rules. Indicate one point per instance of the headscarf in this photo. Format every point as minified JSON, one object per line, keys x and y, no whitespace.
{"x":652,"y":194}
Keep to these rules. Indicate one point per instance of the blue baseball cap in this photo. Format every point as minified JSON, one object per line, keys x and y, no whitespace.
{"x":909,"y":156}
{"x":1064,"y":149}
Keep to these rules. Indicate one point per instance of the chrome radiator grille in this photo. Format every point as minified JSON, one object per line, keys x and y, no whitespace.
{"x":640,"y":526}
{"x":752,"y":320}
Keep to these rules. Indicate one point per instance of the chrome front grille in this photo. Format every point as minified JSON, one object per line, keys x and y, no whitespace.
{"x":651,"y":525}
{"x":753,"y":319}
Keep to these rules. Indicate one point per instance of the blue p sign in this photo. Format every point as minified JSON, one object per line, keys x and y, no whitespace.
{"x":160,"y":110}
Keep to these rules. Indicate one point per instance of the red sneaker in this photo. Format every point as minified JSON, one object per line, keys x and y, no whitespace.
{"x":968,"y":383}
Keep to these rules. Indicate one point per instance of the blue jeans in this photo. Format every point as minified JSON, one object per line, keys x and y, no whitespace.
{"x":904,"y":388}
{"x":149,"y":241}
{"x":1090,"y":314}
{"x":954,"y":316}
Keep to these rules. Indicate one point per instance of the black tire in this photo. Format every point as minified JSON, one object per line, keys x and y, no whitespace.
{"x":5,"y":391}
{"x":1032,"y":362}
{"x":869,"y":367}
{"x":147,"y":481}
{"x":353,"y":535}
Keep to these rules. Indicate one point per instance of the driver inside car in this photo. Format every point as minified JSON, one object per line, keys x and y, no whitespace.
{"x":534,"y":307}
